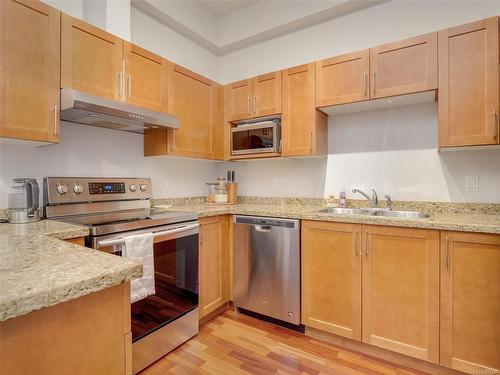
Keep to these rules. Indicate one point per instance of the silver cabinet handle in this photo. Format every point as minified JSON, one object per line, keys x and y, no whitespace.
{"x":494,"y":122}
{"x":365,"y":78}
{"x":311,"y":140}
{"x":356,"y":252}
{"x":446,"y":254}
{"x":374,"y":83}
{"x":249,"y":109}
{"x":129,"y":89}
{"x":120,"y":84}
{"x":173,"y":140}
{"x":366,"y":243}
{"x":254,"y":104}
{"x":55,"y":119}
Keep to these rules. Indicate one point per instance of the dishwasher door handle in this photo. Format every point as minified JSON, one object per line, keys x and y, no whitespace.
{"x":263,"y":228}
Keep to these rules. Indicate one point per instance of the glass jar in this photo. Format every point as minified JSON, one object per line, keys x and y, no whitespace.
{"x":221,"y":191}
{"x":211,"y":191}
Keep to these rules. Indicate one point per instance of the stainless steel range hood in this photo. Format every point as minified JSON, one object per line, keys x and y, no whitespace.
{"x":87,"y":109}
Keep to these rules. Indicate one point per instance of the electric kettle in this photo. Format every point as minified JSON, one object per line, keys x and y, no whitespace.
{"x":23,"y":201}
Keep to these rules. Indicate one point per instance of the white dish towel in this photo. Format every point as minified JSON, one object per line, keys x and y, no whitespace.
{"x":139,"y":248}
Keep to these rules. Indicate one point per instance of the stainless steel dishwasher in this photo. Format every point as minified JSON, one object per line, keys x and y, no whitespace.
{"x":266,"y":266}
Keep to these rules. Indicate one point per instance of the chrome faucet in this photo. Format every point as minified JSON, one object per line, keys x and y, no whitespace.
{"x":373,"y":200}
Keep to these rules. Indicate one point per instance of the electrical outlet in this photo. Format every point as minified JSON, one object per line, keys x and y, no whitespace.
{"x":168,"y":184}
{"x":274,"y":183}
{"x":472,"y":183}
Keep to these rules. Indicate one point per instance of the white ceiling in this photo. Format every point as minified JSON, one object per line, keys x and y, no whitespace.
{"x":224,"y":7}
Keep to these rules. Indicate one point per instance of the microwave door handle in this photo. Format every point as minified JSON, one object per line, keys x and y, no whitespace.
{"x":121,"y":240}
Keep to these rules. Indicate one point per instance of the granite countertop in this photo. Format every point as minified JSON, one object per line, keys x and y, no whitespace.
{"x":39,"y":270}
{"x":442,"y":220}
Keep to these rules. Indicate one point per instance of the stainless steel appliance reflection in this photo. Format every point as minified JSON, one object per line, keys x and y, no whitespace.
{"x":266,"y":261}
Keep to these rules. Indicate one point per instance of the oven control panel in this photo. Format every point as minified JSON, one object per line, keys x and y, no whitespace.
{"x":58,"y":190}
{"x":106,"y":188}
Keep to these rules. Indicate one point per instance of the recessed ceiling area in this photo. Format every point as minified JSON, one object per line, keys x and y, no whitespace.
{"x":225,"y":7}
{"x":224,"y":26}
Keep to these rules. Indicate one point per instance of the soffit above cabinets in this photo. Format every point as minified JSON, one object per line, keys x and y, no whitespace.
{"x":226,"y":26}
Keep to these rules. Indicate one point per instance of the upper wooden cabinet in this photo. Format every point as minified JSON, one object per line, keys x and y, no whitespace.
{"x":303,"y":127}
{"x":29,"y":71}
{"x":343,"y":79}
{"x":256,"y":97}
{"x":401,"y":290}
{"x":470,"y":302}
{"x":214,"y":263}
{"x":404,"y":67}
{"x":193,"y":99}
{"x":331,"y":277}
{"x":267,"y":94}
{"x":238,"y":99}
{"x":91,"y":59}
{"x":145,"y":78}
{"x":469,"y":84}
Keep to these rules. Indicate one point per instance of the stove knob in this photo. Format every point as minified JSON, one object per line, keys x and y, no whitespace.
{"x":132,"y":188}
{"x":78,"y":189}
{"x":62,"y":189}
{"x":143,"y":187}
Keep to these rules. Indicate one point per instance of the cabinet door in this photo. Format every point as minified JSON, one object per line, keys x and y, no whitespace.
{"x":470,"y":302}
{"x":29,"y":71}
{"x":303,"y":126}
{"x":145,"y":78}
{"x":238,"y":100}
{"x":401,"y":290}
{"x":91,"y":59}
{"x":342,"y":79}
{"x":468,"y":84}
{"x":404,"y":67}
{"x":191,"y":98}
{"x":267,"y":94}
{"x":331,"y":277}
{"x":214,"y":263}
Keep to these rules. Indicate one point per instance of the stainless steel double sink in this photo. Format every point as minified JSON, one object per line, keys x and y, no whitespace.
{"x":376,"y":212}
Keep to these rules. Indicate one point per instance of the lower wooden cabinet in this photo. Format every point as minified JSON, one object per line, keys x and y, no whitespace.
{"x":77,"y":241}
{"x":213,"y":263}
{"x":401,"y":290}
{"x":383,"y":279}
{"x":470,"y":302}
{"x":331,"y":277}
{"x":87,"y":335}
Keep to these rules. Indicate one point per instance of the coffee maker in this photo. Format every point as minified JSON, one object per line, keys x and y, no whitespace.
{"x":23,"y":201}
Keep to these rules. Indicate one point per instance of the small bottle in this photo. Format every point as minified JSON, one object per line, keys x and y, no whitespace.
{"x":342,"y":199}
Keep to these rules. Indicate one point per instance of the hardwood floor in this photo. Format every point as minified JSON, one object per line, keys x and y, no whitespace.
{"x":238,"y":344}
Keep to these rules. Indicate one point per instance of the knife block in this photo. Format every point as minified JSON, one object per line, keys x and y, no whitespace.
{"x":232,"y":192}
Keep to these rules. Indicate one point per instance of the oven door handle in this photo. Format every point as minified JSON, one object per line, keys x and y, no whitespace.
{"x":121,"y":241}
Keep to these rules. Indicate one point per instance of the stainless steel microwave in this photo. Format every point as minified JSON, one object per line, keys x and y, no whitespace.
{"x":256,"y":137}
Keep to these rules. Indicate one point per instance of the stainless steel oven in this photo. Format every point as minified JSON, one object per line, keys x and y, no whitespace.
{"x":166,"y":319}
{"x":256,"y":137}
{"x":114,"y":208}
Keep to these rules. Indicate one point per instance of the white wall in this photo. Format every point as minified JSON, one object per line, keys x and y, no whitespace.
{"x":156,"y":37}
{"x":393,"y":150}
{"x":90,"y":151}
{"x":384,"y":23}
